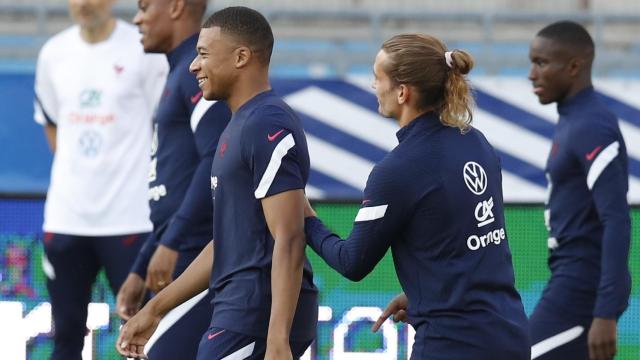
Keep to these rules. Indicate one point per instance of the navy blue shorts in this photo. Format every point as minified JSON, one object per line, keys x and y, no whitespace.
{"x":556,"y":334}
{"x":221,"y":344}
{"x":71,"y":264}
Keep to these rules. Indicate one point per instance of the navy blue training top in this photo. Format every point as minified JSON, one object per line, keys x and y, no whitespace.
{"x":587,"y":210}
{"x":186,"y":132}
{"x":436,"y":200}
{"x":262,"y":152}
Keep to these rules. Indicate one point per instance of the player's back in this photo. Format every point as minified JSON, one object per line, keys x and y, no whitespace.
{"x":452,"y":256}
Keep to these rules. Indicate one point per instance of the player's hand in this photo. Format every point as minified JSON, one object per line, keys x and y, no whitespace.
{"x":308,"y":210}
{"x":602,"y":339}
{"x":130,"y":296}
{"x":135,"y":334}
{"x":397,"y":307}
{"x":278,"y":350}
{"x":161,"y":266}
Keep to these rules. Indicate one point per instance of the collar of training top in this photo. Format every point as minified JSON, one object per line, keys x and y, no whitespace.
{"x":425,"y":122}
{"x":576,"y":100}
{"x":184,"y":49}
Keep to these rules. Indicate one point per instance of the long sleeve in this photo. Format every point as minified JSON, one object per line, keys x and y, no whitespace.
{"x":377,"y":224}
{"x":610,"y":198}
{"x":196,"y":207}
{"x":144,"y":256}
{"x":603,"y":157}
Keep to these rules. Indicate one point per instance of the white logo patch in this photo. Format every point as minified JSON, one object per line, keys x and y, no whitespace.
{"x":475,"y":177}
{"x":484,"y":212}
{"x":214,"y":182}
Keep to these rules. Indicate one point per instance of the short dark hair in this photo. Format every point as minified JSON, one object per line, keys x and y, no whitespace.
{"x":248,"y":25}
{"x":569,"y":34}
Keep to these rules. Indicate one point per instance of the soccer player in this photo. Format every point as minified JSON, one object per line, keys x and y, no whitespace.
{"x":587,"y":213}
{"x":186,"y":132}
{"x":95,"y":95}
{"x":264,"y":299}
{"x":436,"y":201}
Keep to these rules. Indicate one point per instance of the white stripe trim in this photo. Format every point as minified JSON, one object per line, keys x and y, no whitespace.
{"x":171,"y":318}
{"x":371,"y":213}
{"x":198,"y":112}
{"x":274,"y":165}
{"x":555,"y":341}
{"x":600,"y":163}
{"x":47,"y":268}
{"x":241,"y":354}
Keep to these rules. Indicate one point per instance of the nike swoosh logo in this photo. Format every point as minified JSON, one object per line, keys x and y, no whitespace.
{"x":274,"y":136}
{"x":196,"y":97}
{"x":211,"y":336}
{"x":593,"y":153}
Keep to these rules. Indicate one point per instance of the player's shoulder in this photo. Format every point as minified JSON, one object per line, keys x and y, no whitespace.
{"x":597,"y":119}
{"x":270,"y":110}
{"x":61,"y":42}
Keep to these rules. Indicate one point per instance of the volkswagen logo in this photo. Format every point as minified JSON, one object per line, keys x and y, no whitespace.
{"x":475,"y":177}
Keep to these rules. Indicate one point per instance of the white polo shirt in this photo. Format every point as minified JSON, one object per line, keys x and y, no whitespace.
{"x":101,"y":97}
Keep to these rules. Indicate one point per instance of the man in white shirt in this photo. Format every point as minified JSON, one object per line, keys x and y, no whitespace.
{"x":96,"y":91}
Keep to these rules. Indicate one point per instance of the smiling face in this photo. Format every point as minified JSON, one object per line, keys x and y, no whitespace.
{"x":215,"y":66}
{"x":386,"y":90}
{"x":551,"y":71}
{"x":154,"y":23}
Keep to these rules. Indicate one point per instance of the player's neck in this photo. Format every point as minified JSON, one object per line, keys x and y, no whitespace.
{"x":97,"y":34}
{"x":182,"y":33}
{"x":246,"y":89}
{"x":407,"y":115}
{"x":580,"y":85}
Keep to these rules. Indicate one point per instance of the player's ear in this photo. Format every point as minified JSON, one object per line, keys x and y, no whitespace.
{"x":176,"y":8}
{"x":575,"y":66}
{"x":403,"y":94}
{"x":242,"y":56}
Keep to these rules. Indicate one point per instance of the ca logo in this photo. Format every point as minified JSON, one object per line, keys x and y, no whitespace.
{"x":475,"y":177}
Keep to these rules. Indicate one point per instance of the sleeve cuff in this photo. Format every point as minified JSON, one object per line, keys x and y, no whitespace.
{"x":144,"y":257}
{"x":174,"y":233}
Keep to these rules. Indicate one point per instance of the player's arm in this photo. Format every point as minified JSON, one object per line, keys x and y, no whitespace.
{"x":45,"y":102}
{"x":50,"y":132}
{"x":378,"y":221}
{"x":137,"y":331}
{"x":601,"y":154}
{"x":196,"y":206}
{"x":284,"y":215}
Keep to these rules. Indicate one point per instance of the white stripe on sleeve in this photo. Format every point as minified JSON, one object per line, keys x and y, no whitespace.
{"x":600,"y":163}
{"x":371,"y":213}
{"x":198,"y":112}
{"x":241,"y":354}
{"x":274,"y":165}
{"x":171,"y":318}
{"x":555,"y":341}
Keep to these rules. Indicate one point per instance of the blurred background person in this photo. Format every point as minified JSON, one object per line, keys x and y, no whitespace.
{"x":186,"y":132}
{"x":587,"y":213}
{"x":95,"y":92}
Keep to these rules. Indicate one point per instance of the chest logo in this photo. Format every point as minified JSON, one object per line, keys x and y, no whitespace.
{"x":195,"y":98}
{"x":274,"y":136}
{"x":591,"y":155}
{"x":118,"y":68}
{"x":474,"y":177}
{"x":214,"y":182}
